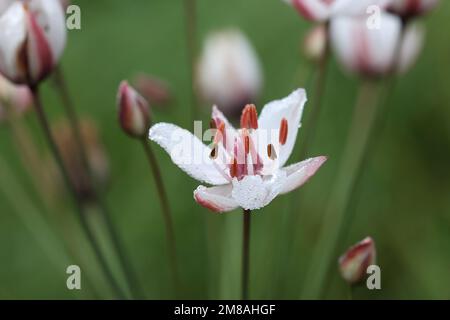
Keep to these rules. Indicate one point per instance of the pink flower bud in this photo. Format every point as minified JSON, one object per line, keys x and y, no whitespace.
{"x":229,"y":72}
{"x":353,"y":264}
{"x":411,"y":8}
{"x":315,"y":43}
{"x":32,"y":39}
{"x":17,"y":97}
{"x":154,"y":90}
{"x":134,"y":111}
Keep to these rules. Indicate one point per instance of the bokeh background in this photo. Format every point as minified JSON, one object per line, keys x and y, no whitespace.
{"x":403,"y":200}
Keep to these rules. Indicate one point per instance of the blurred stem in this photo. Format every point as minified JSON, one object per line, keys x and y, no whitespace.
{"x":69,"y":108}
{"x":170,"y":235}
{"x":336,"y":214}
{"x":245,"y":253}
{"x":350,"y":292}
{"x":319,"y":92}
{"x":190,"y":9}
{"x":78,"y":205}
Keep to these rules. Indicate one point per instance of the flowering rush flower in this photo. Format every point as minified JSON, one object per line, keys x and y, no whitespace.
{"x":246,"y":165}
{"x":229,"y":72}
{"x":32,"y":39}
{"x":375,"y":52}
{"x":323,"y":10}
{"x":411,"y":8}
{"x":353,"y":264}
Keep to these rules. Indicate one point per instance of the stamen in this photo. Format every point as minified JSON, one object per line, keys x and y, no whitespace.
{"x":234,"y":168}
{"x":283,"y":131}
{"x":214,"y":152}
{"x":220,"y":134}
{"x":249,"y":118}
{"x":271,"y":152}
{"x":212,"y":124}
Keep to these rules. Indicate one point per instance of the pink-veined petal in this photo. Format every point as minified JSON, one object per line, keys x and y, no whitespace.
{"x":189,"y":153}
{"x":289,"y":108}
{"x":216,"y":199}
{"x":299,"y":173}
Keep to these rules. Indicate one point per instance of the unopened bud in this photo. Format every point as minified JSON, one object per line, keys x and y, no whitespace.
{"x":134,"y":111}
{"x":315,"y":43}
{"x":354,"y":263}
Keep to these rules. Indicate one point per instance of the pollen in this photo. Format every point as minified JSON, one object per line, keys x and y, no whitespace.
{"x":249,"y":118}
{"x":283,"y":131}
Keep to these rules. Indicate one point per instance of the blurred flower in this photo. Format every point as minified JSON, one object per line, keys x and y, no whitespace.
{"x":32,"y":39}
{"x":153,"y":89}
{"x":134,"y":112}
{"x":246,"y":165}
{"x":374,"y":52}
{"x":229,"y":72}
{"x":315,"y":43}
{"x":411,"y":46}
{"x":95,"y":152}
{"x":353,"y":264}
{"x":322,"y":10}
{"x":411,"y":8}
{"x":18,"y":97}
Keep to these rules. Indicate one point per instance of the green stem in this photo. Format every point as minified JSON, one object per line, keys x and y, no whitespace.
{"x":336,"y":214}
{"x":190,"y":9}
{"x":78,"y":205}
{"x":104,"y":210}
{"x":164,"y":202}
{"x":245,"y":253}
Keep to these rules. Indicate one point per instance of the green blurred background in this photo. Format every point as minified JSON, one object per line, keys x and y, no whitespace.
{"x":403,"y":200}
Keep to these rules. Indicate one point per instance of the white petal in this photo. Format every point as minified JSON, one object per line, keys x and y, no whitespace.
{"x":290,"y":108}
{"x":412,"y":43}
{"x":216,"y":199}
{"x":299,"y":173}
{"x":52,"y":19}
{"x":356,"y":8}
{"x":12,"y":39}
{"x":365,"y":50}
{"x":255,"y":192}
{"x":188,"y":153}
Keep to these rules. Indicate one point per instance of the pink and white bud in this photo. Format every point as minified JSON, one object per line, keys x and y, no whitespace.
{"x":18,"y":97}
{"x":353,"y":264}
{"x":366,"y":51}
{"x":156,"y":91}
{"x":32,"y":39}
{"x":323,"y":10}
{"x":315,"y":43}
{"x":229,"y":72}
{"x":411,"y":46}
{"x":412,"y":8}
{"x":134,"y":111}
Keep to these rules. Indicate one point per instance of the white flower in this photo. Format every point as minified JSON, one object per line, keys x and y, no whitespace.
{"x":375,"y":52}
{"x":32,"y":39}
{"x":228,"y":71}
{"x":245,"y":166}
{"x":322,"y":10}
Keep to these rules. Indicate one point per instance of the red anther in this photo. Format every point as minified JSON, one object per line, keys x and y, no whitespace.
{"x":249,"y":118}
{"x":213,"y":154}
{"x":271,"y":153}
{"x":234,"y":168}
{"x":283,"y":131}
{"x":246,"y":143}
{"x":220,"y":134}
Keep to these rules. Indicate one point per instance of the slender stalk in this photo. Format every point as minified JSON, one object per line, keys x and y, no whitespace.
{"x":336,"y":214}
{"x":78,"y":205}
{"x":190,"y":9}
{"x":317,"y":102}
{"x":164,"y":202}
{"x":245,"y":253}
{"x":350,"y":292}
{"x":104,"y":210}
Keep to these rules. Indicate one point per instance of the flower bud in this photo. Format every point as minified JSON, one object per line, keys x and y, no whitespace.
{"x":411,"y":46}
{"x":134,"y":112}
{"x":353,"y":264}
{"x":96,"y":157}
{"x":154,"y":90}
{"x":229,"y":72}
{"x":32,"y":39}
{"x":17,"y":97}
{"x":315,"y":43}
{"x":411,"y":8}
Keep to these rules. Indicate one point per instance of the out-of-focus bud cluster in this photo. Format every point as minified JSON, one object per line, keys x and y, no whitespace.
{"x":412,"y":8}
{"x":96,"y":156}
{"x":315,"y":43}
{"x":156,"y":91}
{"x":354,"y":262}
{"x":134,"y":112}
{"x":228,"y":72}
{"x":32,"y":39}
